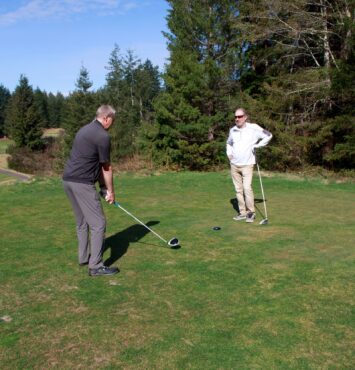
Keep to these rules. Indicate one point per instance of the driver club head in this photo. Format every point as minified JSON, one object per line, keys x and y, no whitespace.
{"x":265,"y":221}
{"x":174,"y":243}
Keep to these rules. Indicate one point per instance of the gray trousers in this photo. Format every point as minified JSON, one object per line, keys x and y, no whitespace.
{"x":90,"y":218}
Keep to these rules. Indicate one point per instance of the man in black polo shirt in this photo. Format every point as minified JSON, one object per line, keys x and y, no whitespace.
{"x":89,"y":162}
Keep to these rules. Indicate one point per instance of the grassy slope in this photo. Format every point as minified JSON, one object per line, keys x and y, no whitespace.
{"x":248,"y":296}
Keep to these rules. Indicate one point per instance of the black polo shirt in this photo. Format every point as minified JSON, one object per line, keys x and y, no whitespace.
{"x":91,"y":148}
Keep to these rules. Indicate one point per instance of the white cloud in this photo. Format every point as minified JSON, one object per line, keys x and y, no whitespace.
{"x":44,"y":9}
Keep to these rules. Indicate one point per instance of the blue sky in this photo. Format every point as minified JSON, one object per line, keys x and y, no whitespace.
{"x":49,"y":40}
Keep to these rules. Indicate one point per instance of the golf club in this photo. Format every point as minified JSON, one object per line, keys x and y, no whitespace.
{"x":265,"y":221}
{"x":174,"y":242}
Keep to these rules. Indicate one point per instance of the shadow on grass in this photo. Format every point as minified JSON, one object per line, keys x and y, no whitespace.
{"x":234,"y":204}
{"x":260,"y":200}
{"x":120,"y":242}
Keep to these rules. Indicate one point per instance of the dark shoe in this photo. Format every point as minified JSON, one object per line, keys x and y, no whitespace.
{"x":250,"y":217}
{"x":103,"y":270}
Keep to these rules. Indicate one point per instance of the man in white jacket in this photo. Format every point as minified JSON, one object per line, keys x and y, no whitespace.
{"x":243,"y":139}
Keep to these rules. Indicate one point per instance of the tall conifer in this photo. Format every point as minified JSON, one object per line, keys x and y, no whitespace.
{"x":193,"y":113}
{"x":23,"y":119}
{"x":80,"y":108}
{"x":4,"y":99}
{"x":130,"y":87}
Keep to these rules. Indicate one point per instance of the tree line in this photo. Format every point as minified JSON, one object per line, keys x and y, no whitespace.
{"x":131,"y":86}
{"x":289,"y":64}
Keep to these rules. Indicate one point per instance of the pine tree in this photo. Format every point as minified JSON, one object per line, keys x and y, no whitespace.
{"x":114,"y":78}
{"x":147,"y":87}
{"x":4,"y":99}
{"x":127,"y":122}
{"x":41,"y":100}
{"x":193,"y":113}
{"x":56,"y":106}
{"x":130,"y":88}
{"x":80,"y":108}
{"x":23,"y":119}
{"x":83,"y":83}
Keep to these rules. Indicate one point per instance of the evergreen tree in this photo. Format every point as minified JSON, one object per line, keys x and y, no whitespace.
{"x":4,"y":99}
{"x":114,"y":78}
{"x":41,"y":100}
{"x":194,"y":112}
{"x":147,"y":88}
{"x":56,"y":106}
{"x":128,"y":121}
{"x":130,"y":64}
{"x":80,"y":109}
{"x":23,"y":119}
{"x":130,"y":88}
{"x":83,"y":83}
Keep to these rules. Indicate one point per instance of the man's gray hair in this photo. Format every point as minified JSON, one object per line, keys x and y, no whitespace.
{"x":243,"y":110}
{"x":105,"y":111}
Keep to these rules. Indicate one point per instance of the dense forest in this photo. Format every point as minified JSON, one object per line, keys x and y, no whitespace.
{"x":289,"y":64}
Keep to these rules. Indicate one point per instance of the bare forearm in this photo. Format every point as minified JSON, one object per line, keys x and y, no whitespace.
{"x":107,"y":177}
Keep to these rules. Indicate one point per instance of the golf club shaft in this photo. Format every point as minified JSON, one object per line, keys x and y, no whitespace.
{"x":262,"y":189}
{"x":143,"y":224}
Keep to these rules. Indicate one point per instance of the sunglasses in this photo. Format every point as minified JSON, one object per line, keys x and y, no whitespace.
{"x":239,"y":116}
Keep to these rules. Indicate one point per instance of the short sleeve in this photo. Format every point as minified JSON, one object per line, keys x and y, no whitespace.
{"x":104,"y":150}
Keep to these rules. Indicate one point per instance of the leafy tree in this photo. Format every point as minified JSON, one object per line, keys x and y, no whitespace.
{"x":23,"y":119}
{"x":4,"y":99}
{"x":298,"y":54}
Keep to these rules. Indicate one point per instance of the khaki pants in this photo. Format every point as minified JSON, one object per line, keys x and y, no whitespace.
{"x":242,"y":177}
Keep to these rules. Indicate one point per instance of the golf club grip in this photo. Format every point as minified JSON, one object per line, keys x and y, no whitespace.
{"x":116,"y":204}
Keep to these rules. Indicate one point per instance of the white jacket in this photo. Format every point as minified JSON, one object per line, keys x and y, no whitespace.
{"x":242,"y":141}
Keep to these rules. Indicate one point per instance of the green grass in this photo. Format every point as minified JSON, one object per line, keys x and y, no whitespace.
{"x":3,"y":177}
{"x":4,"y":143}
{"x":245,"y":297}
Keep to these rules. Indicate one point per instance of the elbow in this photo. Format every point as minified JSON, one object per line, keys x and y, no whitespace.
{"x":106,"y":167}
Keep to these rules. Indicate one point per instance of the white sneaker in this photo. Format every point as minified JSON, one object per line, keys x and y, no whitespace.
{"x":239,"y":217}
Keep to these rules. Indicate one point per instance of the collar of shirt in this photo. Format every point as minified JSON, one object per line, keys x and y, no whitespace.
{"x":97,"y":122}
{"x":236,"y":128}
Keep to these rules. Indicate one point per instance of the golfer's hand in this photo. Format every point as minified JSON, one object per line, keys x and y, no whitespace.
{"x":107,"y":195}
{"x":110,"y":197}
{"x":230,"y":157}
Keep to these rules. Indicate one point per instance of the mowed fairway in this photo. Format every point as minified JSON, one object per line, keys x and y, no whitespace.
{"x":279,"y":296}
